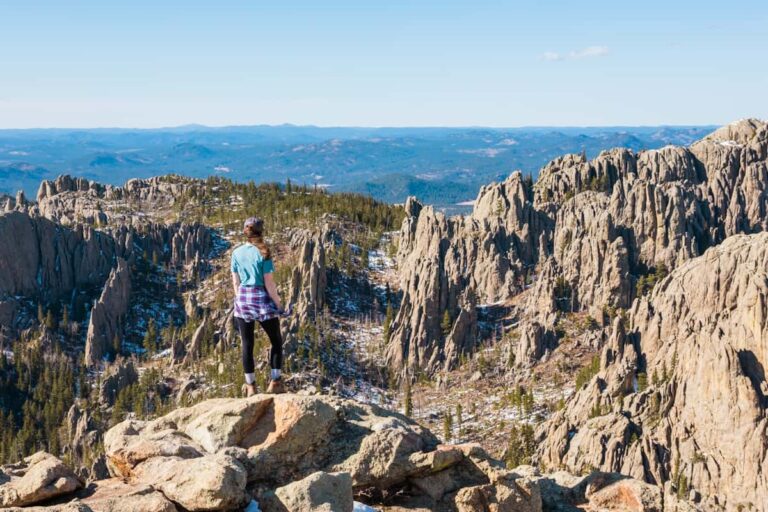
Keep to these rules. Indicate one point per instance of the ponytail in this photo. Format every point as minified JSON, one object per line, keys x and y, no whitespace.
{"x":256,"y":237}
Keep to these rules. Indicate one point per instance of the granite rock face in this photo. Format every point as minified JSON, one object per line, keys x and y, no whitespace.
{"x":307,"y":288}
{"x":588,"y":229}
{"x":698,"y":341}
{"x":108,"y":313}
{"x":51,"y":259}
{"x":448,"y":263}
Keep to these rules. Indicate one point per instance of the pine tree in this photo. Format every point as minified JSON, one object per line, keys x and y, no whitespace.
{"x":447,"y":425}
{"x":388,"y":318}
{"x":446,"y":324}
{"x":150,"y":337}
{"x":117,"y":346}
{"x":642,"y":382}
{"x":408,"y":399}
{"x":50,"y":321}
{"x":65,"y":317}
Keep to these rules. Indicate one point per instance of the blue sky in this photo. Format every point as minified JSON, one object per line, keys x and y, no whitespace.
{"x":381,"y":63}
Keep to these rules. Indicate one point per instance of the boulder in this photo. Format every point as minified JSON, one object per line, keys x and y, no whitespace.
{"x":627,"y":495}
{"x":210,"y":482}
{"x":201,"y":457}
{"x":318,"y":492}
{"x":37,"y":478}
{"x":114,"y":495}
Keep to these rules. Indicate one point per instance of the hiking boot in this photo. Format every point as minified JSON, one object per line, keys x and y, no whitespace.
{"x":248,"y":389}
{"x":276,"y":387}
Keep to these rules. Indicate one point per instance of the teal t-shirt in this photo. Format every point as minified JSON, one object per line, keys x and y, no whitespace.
{"x":250,"y":265}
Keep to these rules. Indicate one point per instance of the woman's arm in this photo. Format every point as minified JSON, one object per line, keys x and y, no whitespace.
{"x":269,"y":284}
{"x":236,"y":282}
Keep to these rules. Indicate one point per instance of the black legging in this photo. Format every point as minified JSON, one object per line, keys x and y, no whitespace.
{"x":272,"y":328}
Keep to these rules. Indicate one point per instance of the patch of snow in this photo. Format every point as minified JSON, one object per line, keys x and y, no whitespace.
{"x":378,"y":261}
{"x":486,"y":152}
{"x":729,"y":143}
{"x":162,"y":354}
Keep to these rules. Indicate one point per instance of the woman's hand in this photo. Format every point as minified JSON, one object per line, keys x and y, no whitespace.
{"x":269,"y":284}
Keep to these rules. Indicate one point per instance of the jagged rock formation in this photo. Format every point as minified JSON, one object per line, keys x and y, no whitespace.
{"x":306,"y":290}
{"x":535,"y":341}
{"x":47,"y":258}
{"x":446,"y":263}
{"x":194,"y":349}
{"x":699,"y":343}
{"x":177,"y":244}
{"x":108,"y":313}
{"x":659,"y":207}
{"x":70,"y":200}
{"x":308,"y":282}
{"x":593,"y":228}
{"x":116,"y":377}
{"x":81,"y":431}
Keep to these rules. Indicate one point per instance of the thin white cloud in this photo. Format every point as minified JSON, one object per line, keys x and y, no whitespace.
{"x":585,"y":53}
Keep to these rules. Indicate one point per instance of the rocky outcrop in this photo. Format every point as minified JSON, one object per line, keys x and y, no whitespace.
{"x":39,"y":477}
{"x":535,"y":340}
{"x":286,"y":449}
{"x":71,"y":200}
{"x":82,"y":433}
{"x":307,"y":288}
{"x":194,"y":349}
{"x":681,"y":394}
{"x":49,"y":260}
{"x":445,"y":263}
{"x":313,"y":453}
{"x":117,"y":376}
{"x":108,"y":313}
{"x":624,"y":213}
{"x":309,"y":279}
{"x":176,"y":244}
{"x":592,"y":228}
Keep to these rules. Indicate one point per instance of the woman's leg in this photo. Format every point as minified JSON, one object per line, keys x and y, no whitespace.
{"x":272,"y":328}
{"x":246,"y":334}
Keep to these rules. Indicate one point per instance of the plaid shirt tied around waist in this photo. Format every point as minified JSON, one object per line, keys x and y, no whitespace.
{"x":254,"y":303}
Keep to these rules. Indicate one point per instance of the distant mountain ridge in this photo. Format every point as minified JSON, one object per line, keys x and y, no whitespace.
{"x":441,"y":165}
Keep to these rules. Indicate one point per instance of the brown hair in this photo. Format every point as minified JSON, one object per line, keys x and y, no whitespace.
{"x":255,"y":236}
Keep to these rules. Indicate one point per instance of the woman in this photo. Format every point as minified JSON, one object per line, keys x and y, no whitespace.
{"x":257,"y":300}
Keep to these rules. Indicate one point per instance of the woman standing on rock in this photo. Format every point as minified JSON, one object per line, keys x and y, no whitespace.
{"x":257,"y":300}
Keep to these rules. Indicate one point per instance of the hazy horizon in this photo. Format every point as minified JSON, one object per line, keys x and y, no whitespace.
{"x":372,"y":127}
